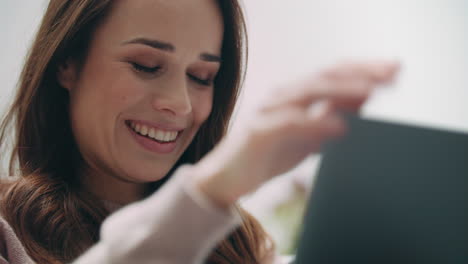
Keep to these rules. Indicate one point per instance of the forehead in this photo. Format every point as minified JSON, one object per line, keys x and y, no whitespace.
{"x":188,"y":24}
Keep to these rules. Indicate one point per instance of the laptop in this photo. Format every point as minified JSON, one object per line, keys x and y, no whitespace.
{"x":389,"y":193}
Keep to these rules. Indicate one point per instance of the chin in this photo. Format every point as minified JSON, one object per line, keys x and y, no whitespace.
{"x":145,"y":177}
{"x":146,"y":174}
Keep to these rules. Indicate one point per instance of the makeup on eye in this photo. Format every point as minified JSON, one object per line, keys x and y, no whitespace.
{"x":201,"y":81}
{"x":203,"y":73}
{"x":143,"y":60}
{"x":152,"y":63}
{"x":144,"y":69}
{"x":153,"y":70}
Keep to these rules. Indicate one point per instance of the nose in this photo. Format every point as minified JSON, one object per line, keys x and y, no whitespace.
{"x":173,"y":97}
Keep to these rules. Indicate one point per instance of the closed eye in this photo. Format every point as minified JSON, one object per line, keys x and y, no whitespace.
{"x":204,"y":82}
{"x":144,"y":69}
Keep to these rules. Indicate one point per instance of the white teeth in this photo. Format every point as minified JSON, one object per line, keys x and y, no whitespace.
{"x":159,"y":135}
{"x":151,"y":133}
{"x":144,"y":130}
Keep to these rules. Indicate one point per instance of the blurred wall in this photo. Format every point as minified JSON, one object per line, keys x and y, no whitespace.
{"x":290,"y":39}
{"x":19,"y":20}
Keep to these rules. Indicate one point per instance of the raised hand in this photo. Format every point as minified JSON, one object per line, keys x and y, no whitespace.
{"x":287,"y":127}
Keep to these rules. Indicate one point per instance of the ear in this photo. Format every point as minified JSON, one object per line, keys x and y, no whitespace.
{"x":67,"y":74}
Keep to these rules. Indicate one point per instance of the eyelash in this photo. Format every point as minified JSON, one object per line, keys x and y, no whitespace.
{"x":204,"y":82}
{"x":144,"y":69}
{"x":153,"y":70}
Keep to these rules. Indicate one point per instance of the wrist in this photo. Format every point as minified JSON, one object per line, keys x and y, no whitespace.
{"x":209,"y":181}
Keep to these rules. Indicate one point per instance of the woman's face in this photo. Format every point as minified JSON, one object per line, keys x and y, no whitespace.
{"x":145,"y":87}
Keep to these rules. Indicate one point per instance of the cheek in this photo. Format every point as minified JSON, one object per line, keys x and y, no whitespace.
{"x":98,"y":100}
{"x":113,"y":91}
{"x":202,"y":106}
{"x":120,"y":96}
{"x":119,"y":88}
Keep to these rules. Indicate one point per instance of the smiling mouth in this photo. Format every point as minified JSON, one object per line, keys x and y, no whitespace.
{"x":155,"y":134}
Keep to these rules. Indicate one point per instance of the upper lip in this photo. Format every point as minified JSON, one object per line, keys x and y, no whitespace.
{"x":160,"y":126}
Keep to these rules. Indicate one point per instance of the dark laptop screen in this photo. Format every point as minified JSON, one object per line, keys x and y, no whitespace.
{"x":389,"y":193}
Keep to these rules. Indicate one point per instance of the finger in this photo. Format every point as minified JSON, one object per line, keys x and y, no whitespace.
{"x":378,"y":71}
{"x":346,"y":105}
{"x":299,"y":124}
{"x":349,"y":91}
{"x":326,"y":107}
{"x":353,"y":92}
{"x":318,"y":130}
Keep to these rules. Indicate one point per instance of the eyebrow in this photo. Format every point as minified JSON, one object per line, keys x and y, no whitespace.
{"x":210,"y":57}
{"x":164,"y":46}
{"x":152,"y":43}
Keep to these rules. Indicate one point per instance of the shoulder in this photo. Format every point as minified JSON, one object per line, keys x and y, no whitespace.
{"x":11,"y":249}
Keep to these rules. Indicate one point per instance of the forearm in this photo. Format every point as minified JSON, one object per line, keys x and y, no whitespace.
{"x":175,"y":225}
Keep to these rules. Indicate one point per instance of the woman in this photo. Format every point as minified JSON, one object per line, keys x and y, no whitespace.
{"x":114,"y":98}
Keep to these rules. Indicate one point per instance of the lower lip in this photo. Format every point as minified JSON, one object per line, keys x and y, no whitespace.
{"x":153,"y":146}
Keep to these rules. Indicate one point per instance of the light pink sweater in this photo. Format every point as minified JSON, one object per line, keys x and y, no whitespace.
{"x":177,"y":224}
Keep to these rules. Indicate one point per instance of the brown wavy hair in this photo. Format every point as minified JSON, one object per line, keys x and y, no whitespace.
{"x":56,"y":219}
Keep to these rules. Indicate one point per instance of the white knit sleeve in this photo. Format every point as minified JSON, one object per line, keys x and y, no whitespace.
{"x":177,"y":224}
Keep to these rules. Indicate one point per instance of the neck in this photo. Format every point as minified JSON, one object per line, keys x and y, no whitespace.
{"x":111,"y":188}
